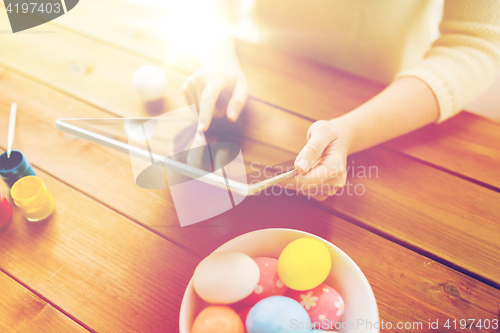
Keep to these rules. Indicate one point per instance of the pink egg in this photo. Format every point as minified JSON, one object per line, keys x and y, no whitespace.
{"x":243,"y":315}
{"x":269,"y":282}
{"x":322,"y":303}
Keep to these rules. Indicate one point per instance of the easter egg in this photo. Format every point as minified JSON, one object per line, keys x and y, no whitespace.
{"x":269,"y":282}
{"x":304,"y":264}
{"x":321,"y":303}
{"x":278,"y":314}
{"x":218,"y":319}
{"x":150,"y":82}
{"x":226,"y":277}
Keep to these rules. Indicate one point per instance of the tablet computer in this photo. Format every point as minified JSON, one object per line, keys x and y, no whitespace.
{"x":171,"y":145}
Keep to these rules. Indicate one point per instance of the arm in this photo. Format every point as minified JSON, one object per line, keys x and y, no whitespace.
{"x":405,"y":105}
{"x":220,"y":72}
{"x":458,"y":66}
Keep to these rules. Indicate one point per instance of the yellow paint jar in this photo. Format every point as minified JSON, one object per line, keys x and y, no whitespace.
{"x":32,"y":196}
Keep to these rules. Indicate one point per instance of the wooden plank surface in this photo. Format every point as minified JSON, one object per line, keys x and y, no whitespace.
{"x":23,"y":311}
{"x":424,"y":282}
{"x":102,"y":269}
{"x":265,"y":123}
{"x":474,"y":138}
{"x":314,"y":91}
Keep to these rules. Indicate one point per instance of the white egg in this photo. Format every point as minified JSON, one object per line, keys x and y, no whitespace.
{"x":150,"y":82}
{"x":225,"y":278}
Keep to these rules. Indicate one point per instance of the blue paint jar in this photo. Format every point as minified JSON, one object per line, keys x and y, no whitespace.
{"x":15,"y":167}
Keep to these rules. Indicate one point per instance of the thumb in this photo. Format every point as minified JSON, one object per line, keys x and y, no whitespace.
{"x":321,"y":135}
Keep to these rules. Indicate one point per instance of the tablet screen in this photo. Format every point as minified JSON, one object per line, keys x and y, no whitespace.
{"x":173,"y":136}
{"x":168,"y":151}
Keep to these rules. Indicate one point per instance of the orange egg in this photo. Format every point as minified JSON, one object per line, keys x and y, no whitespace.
{"x":218,"y":319}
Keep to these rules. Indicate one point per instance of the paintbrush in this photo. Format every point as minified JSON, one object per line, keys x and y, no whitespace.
{"x":12,"y":125}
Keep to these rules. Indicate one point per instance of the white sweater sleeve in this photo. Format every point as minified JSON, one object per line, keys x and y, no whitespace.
{"x":465,"y":59}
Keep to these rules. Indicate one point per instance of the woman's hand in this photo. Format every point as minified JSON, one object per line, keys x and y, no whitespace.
{"x":204,"y":87}
{"x":321,"y":164}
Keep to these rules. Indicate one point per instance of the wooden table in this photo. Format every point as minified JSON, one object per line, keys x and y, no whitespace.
{"x":425,"y":232}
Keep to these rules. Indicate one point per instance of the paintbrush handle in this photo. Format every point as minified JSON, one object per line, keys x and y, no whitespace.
{"x":12,"y":126}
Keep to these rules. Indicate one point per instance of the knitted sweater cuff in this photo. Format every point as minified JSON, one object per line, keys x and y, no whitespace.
{"x":441,"y":89}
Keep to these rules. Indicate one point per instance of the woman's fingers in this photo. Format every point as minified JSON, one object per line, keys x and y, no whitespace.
{"x":325,"y":177}
{"x":189,"y":90}
{"x":317,"y":186}
{"x":208,"y":99}
{"x":321,"y":163}
{"x":238,"y":99}
{"x":321,"y":135}
{"x":321,"y":186}
{"x":204,"y":89}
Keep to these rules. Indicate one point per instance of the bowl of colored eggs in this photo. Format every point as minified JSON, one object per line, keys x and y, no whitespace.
{"x":278,"y":281}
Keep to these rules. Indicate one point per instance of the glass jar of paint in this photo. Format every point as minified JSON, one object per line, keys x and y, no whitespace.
{"x":14,"y":167}
{"x":32,"y":196}
{"x":5,"y":211}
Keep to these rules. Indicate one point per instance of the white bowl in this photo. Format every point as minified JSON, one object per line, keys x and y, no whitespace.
{"x":345,"y":277}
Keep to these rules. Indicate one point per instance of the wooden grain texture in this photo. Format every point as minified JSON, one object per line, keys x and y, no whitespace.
{"x":102,"y":269}
{"x":23,"y":311}
{"x":407,"y":285}
{"x":270,"y":125}
{"x":318,"y":92}
{"x":436,"y":297}
{"x":473,"y":138}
